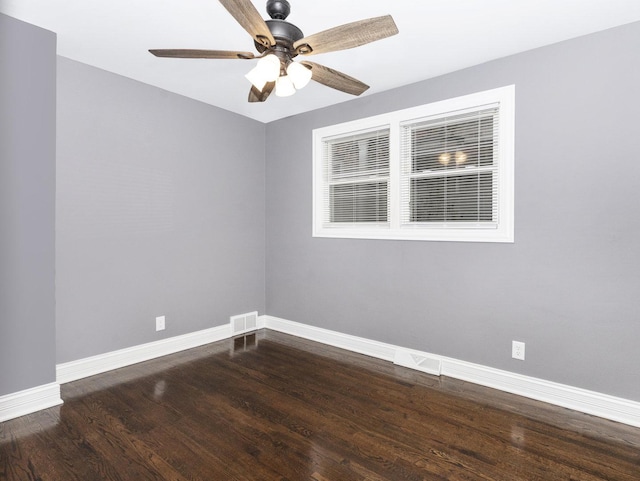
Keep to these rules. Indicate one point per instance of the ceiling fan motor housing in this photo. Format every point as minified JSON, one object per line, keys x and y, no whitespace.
{"x":285,"y":35}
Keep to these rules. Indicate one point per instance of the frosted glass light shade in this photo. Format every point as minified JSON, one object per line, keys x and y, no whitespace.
{"x":270,"y":65}
{"x":267,"y":70}
{"x":284,"y":86}
{"x":299,"y":74}
{"x":256,"y":77}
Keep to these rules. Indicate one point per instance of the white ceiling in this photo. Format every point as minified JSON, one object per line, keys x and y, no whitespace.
{"x":436,"y":37}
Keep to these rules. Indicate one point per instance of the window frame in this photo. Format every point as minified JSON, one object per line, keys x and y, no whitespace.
{"x":503,"y":98}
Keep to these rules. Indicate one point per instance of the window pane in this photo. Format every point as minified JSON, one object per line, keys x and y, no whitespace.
{"x":359,"y":202}
{"x":453,"y":144}
{"x":360,"y":156}
{"x":459,"y":198}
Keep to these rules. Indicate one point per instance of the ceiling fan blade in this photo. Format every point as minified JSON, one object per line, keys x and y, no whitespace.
{"x":248,"y":17}
{"x":191,"y":53}
{"x":334,"y":79}
{"x":347,"y":36}
{"x":256,"y":95}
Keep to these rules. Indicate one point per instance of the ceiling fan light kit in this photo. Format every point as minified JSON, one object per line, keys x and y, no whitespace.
{"x":267,"y":70}
{"x":300,"y":75}
{"x":284,"y":86}
{"x":279,"y":42}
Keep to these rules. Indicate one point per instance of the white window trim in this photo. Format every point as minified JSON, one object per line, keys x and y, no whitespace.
{"x":504,"y":96}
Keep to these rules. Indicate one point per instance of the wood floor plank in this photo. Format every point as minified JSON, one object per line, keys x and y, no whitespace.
{"x":271,"y":407}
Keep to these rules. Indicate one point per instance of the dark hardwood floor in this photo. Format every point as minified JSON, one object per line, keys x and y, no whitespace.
{"x":274,"y":407}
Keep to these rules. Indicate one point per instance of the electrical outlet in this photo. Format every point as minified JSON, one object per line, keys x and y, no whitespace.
{"x":160,"y":323}
{"x":517,"y":350}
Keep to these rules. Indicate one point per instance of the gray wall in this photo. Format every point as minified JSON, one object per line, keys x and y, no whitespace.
{"x":568,"y":286}
{"x":160,"y":211}
{"x":27,"y":196}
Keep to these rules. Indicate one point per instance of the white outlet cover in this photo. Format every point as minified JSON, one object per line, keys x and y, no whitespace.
{"x":517,"y":350}
{"x":160,"y":323}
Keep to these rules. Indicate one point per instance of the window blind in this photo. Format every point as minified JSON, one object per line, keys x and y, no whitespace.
{"x":449,"y":168}
{"x":356,"y":170}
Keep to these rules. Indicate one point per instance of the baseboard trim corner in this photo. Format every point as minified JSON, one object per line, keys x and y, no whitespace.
{"x":29,"y":401}
{"x":582,"y":400}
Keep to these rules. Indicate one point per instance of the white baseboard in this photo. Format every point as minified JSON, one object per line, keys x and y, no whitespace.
{"x":597,"y":404}
{"x":589,"y":402}
{"x":361,"y":345}
{"x":90,"y":366}
{"x":29,"y":401}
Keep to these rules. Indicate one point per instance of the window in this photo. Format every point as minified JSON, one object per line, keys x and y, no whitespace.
{"x":357,"y":170}
{"x":442,"y":171}
{"x":450,"y":168}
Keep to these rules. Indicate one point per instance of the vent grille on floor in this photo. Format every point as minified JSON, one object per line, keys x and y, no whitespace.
{"x":418,"y":361}
{"x":244,"y":323}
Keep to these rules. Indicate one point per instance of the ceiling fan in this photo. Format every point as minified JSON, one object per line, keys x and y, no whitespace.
{"x":279,"y":42}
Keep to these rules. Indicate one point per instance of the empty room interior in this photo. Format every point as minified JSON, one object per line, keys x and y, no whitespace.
{"x":422,"y":265}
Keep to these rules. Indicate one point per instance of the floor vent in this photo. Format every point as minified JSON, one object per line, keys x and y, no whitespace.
{"x":418,"y":361}
{"x":244,"y":323}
